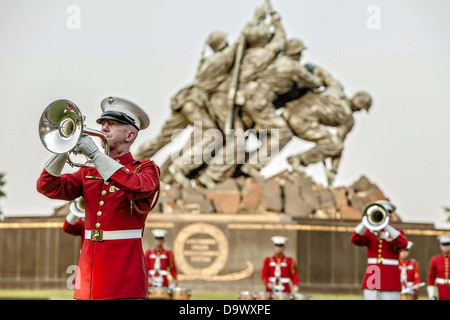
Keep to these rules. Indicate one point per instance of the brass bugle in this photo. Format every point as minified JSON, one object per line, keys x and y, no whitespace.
{"x":61,"y":127}
{"x":77,"y":207}
{"x":375,"y":216}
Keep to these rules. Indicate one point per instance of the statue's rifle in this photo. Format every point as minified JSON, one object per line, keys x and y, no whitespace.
{"x":269,"y":6}
{"x":234,"y":85}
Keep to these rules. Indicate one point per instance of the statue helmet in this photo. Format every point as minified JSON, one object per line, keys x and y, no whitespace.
{"x":257,"y":36}
{"x":217,"y":40}
{"x":362,"y":100}
{"x":293,"y":47}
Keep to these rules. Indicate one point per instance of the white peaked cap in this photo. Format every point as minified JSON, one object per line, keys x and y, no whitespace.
{"x":445,"y":238}
{"x":279,"y":240}
{"x":159,"y":233}
{"x":124,"y":111}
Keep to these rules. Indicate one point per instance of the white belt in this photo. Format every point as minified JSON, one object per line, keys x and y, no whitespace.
{"x":154,"y":256}
{"x":442,"y":281}
{"x":161,"y":272}
{"x":391,"y":262}
{"x":100,"y":235}
{"x":282,"y":280}
{"x":273,"y":264}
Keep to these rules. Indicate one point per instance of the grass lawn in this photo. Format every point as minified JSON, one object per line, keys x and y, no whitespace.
{"x":68,"y":294}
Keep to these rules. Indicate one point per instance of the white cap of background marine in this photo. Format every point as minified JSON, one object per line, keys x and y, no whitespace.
{"x":445,"y":238}
{"x":159,"y":233}
{"x":279,"y":240}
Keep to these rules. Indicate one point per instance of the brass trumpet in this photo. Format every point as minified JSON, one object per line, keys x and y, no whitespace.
{"x":61,"y":127}
{"x":375,"y":216}
{"x":77,"y":207}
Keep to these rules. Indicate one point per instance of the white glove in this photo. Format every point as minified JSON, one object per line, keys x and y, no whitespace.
{"x":105,"y":165}
{"x":394,"y":233}
{"x":71,"y":218}
{"x":56,"y":163}
{"x":360,"y":228}
{"x":87,"y":146}
{"x":432,"y":292}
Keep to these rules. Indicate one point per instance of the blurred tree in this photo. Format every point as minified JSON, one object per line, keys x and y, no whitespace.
{"x":447,"y":210}
{"x":2,"y":183}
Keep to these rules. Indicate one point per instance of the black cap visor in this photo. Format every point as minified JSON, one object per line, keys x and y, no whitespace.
{"x":117,"y":116}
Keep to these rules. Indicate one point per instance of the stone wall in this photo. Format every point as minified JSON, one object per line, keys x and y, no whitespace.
{"x":290,"y":193}
{"x":214,"y":253}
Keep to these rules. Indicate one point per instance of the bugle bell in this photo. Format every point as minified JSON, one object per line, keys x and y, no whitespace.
{"x":61,"y":127}
{"x":77,"y":207}
{"x":375,"y":216}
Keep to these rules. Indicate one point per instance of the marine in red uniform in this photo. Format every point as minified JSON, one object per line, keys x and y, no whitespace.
{"x":74,"y":225}
{"x":279,"y":270}
{"x":382,"y":278}
{"x":74,"y":222}
{"x":119,"y":192}
{"x":409,"y":274}
{"x":438,"y":272}
{"x":160,"y":262}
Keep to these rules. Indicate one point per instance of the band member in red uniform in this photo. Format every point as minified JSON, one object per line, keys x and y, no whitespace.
{"x":160,"y":262}
{"x":409,"y":274}
{"x":382,"y":278}
{"x":279,"y":270}
{"x":119,"y":192}
{"x":74,"y":226}
{"x":74,"y":222}
{"x":438,"y":273}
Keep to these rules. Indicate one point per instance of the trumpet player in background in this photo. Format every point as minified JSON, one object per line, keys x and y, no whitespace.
{"x":74,"y":222}
{"x":119,"y":192}
{"x":382,"y":278}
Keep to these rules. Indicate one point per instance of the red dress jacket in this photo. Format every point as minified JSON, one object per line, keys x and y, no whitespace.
{"x":409,"y":275}
{"x":279,"y":270}
{"x":76,"y":229}
{"x":382,"y":271}
{"x":111,"y":269}
{"x":438,"y":275}
{"x":159,"y":263}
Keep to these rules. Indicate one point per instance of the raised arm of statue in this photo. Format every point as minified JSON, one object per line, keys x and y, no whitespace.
{"x":258,"y":17}
{"x":276,"y":45}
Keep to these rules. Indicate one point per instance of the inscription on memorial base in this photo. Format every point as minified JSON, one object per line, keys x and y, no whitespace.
{"x":202,"y":252}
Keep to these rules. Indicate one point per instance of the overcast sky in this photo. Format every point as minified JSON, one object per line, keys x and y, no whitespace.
{"x":398,"y":51}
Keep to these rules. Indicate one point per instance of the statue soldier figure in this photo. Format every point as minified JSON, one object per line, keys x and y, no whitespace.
{"x":188,"y":105}
{"x":277,"y":79}
{"x":310,"y":115}
{"x":240,"y":87}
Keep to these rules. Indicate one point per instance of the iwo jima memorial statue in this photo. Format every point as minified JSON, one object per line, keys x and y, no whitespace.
{"x":258,"y":87}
